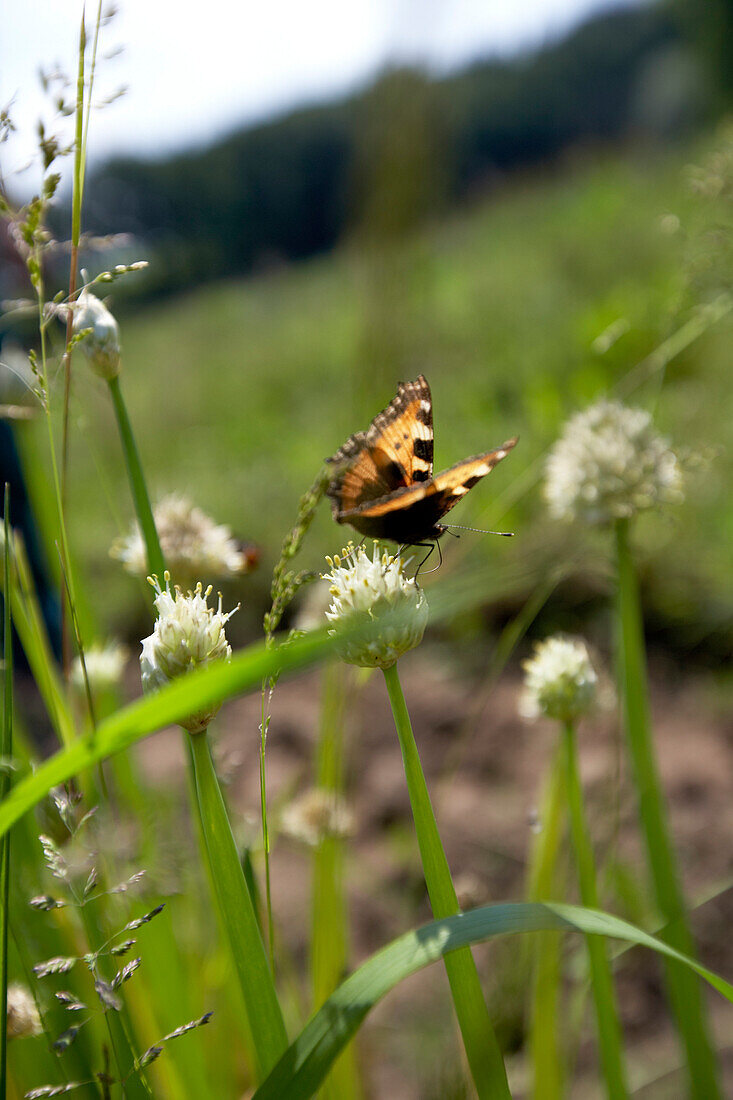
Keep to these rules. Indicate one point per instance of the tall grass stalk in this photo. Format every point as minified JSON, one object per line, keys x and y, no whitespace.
{"x":480,"y":1042}
{"x":545,"y":1016}
{"x":610,"y":1038}
{"x":263,"y":1015}
{"x":684,"y":989}
{"x":31,"y":632}
{"x":329,"y":917}
{"x":138,"y":486}
{"x":6,"y":755}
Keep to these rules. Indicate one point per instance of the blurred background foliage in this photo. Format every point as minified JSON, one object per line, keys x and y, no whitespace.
{"x":523,"y":231}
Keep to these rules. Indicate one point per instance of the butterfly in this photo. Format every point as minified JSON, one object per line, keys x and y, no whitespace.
{"x":384,"y":484}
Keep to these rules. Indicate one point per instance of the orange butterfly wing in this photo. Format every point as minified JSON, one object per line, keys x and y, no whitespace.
{"x":384,"y":485}
{"x":394,"y":453}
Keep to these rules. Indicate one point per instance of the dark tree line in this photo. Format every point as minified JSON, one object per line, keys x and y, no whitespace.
{"x":295,"y":186}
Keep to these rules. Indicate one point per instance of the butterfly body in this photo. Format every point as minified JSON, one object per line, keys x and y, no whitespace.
{"x":384,"y":485}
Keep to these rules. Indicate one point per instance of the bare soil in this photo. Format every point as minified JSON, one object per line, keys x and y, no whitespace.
{"x":485,"y":767}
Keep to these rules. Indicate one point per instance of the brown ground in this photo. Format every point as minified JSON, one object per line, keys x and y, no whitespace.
{"x":484,"y":767}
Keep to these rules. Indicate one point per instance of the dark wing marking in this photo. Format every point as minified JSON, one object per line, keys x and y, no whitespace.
{"x":395,"y":451}
{"x":404,"y":430}
{"x":449,"y":487}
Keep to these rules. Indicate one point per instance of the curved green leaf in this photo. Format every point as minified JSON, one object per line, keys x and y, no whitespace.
{"x":209,"y":686}
{"x":195,"y":691}
{"x":306,"y":1062}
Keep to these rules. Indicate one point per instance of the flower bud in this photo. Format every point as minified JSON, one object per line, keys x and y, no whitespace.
{"x":188,"y":634}
{"x":374,"y":593}
{"x":101,"y":344}
{"x":560,"y":681}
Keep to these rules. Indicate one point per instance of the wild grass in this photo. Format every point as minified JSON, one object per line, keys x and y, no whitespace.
{"x":521,"y":310}
{"x":257,"y":381}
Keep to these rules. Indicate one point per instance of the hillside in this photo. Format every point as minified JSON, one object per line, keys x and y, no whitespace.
{"x":240,"y":389}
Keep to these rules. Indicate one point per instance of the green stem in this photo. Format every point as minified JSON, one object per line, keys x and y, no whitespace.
{"x":6,"y":750}
{"x":143,"y":510}
{"x":40,"y":297}
{"x":609,"y":1029}
{"x":683,"y":988}
{"x":545,"y":1015}
{"x":76,"y":202}
{"x":262,"y":1009}
{"x":264,"y":723}
{"x":329,"y":913}
{"x":482,"y":1048}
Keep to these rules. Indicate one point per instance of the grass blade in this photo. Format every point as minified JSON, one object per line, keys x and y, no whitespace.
{"x":609,"y":1029}
{"x":304,"y":1065}
{"x":6,"y":752}
{"x":31,"y":631}
{"x":545,"y":1016}
{"x":264,"y":1018}
{"x":482,"y":1048}
{"x":146,"y":715}
{"x":139,"y":488}
{"x":329,"y":914}
{"x":684,"y":990}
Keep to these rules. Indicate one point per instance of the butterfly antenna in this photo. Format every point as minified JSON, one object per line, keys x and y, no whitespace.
{"x":479,"y":531}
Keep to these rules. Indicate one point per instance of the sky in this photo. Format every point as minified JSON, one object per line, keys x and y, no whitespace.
{"x":195,"y":72}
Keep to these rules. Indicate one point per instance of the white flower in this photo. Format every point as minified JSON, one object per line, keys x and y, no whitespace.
{"x":188,"y":634}
{"x":316,"y":814}
{"x":192,"y":544}
{"x":23,"y":1019}
{"x":104,"y":664}
{"x":610,"y":463}
{"x":102,"y":343}
{"x":560,"y":681}
{"x":376,"y":594}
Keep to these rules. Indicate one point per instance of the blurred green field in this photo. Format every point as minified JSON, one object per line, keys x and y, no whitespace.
{"x":239,"y":390}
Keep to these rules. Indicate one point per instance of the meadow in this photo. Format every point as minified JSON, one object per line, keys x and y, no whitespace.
{"x":240,"y":390}
{"x":186,"y":916}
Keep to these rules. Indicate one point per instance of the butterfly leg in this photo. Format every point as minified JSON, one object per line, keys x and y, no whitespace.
{"x":431,"y":546}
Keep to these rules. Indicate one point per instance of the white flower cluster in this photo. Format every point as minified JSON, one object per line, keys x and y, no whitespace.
{"x":101,"y":344}
{"x":188,"y":634}
{"x":374,"y":593}
{"x":104,"y":664}
{"x":23,"y":1020}
{"x":610,"y":463}
{"x":192,"y":544}
{"x":560,"y":681}
{"x":316,"y":814}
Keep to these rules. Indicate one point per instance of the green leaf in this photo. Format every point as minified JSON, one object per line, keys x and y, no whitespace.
{"x":264,"y":1019}
{"x":300,"y":1071}
{"x":684,"y":994}
{"x":192,"y":692}
{"x":479,"y":1040}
